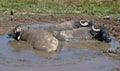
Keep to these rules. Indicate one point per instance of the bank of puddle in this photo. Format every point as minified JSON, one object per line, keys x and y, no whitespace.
{"x":81,"y":54}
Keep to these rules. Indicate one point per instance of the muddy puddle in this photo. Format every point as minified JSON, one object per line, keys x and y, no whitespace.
{"x":80,"y":56}
{"x":74,"y":54}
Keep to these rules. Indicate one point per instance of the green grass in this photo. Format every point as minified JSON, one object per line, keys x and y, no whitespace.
{"x":76,"y":7}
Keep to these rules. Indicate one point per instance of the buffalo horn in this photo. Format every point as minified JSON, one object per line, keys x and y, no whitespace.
{"x":84,"y":24}
{"x":94,"y":29}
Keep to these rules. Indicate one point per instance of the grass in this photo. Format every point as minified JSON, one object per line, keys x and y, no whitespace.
{"x":67,"y":7}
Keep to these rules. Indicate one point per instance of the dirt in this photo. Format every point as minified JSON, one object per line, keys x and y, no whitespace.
{"x":5,"y":21}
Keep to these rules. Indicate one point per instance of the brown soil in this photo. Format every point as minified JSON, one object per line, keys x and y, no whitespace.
{"x":5,"y":22}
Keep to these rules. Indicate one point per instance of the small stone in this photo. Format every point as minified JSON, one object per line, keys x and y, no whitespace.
{"x":107,"y":17}
{"x":118,"y":19}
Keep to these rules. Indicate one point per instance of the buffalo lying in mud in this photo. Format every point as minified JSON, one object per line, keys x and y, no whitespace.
{"x":85,"y":33}
{"x":39,"y":38}
{"x":82,"y":30}
{"x":47,"y":38}
{"x":68,"y":25}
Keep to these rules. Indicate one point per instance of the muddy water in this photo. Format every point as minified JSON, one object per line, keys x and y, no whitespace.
{"x":79,"y":56}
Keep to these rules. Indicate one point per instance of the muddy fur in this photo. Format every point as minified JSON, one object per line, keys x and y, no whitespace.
{"x":69,"y":25}
{"x":40,"y":39}
{"x":82,"y":33}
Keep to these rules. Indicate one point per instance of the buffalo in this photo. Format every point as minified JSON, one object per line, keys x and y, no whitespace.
{"x":85,"y":33}
{"x":39,"y":38}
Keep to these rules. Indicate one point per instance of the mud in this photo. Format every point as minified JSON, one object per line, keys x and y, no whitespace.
{"x":20,"y":56}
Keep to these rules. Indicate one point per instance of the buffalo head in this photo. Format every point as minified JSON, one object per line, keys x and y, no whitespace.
{"x":100,"y":33}
{"x":16,"y":32}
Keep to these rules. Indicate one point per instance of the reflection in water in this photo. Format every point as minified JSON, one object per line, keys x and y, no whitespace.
{"x":21,"y":46}
{"x":89,"y":44}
